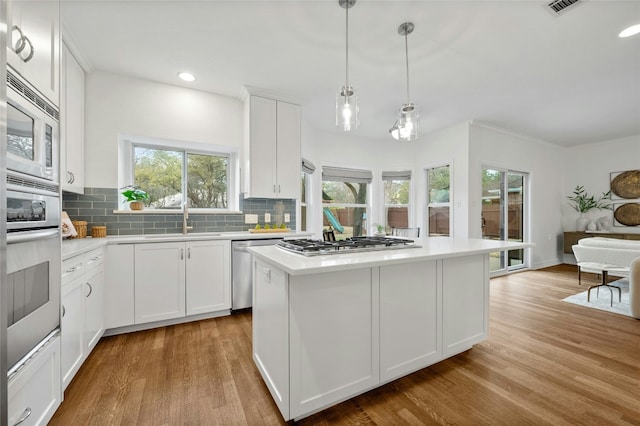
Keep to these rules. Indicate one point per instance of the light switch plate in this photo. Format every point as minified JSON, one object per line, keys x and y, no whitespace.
{"x":267,"y":217}
{"x":250,"y":218}
{"x":287,"y":218}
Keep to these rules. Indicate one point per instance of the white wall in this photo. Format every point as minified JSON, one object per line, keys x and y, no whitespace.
{"x":590,"y":166}
{"x":446,"y":146}
{"x":545,"y":165}
{"x":117,"y":104}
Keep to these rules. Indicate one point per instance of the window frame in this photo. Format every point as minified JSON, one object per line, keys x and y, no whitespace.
{"x":407,"y":177}
{"x":367,"y":205}
{"x":428,"y":204}
{"x":126,"y":166}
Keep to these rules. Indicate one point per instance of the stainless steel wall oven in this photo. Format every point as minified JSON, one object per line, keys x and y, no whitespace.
{"x":33,"y":266}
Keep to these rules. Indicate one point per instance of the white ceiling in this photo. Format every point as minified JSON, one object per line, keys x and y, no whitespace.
{"x":566,"y":79}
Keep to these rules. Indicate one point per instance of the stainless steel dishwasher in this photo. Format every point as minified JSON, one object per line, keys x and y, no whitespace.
{"x":242,"y":272}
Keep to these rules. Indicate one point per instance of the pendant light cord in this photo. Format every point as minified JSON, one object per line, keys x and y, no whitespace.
{"x":406,"y":53}
{"x":347,"y":46}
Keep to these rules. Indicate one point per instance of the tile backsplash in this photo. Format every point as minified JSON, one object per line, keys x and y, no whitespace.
{"x":96,"y":206}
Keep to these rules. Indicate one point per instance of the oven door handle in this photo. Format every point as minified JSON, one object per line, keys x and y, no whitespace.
{"x":23,"y":237}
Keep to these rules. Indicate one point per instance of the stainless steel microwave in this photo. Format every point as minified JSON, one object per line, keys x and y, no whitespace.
{"x":32,"y":131}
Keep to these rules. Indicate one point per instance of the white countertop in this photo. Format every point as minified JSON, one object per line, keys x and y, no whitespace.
{"x":434,"y":248}
{"x":73,"y":247}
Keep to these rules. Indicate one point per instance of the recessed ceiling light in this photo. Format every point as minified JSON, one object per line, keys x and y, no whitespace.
{"x":632,"y":30}
{"x":186,"y":76}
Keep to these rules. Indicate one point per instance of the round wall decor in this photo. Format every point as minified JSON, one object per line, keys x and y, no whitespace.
{"x":628,"y":214}
{"x":627,"y":184}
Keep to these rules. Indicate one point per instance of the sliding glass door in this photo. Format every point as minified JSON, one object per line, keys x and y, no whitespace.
{"x":504,"y":215}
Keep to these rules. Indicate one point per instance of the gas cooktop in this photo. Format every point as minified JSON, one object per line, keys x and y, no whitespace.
{"x":308,"y":247}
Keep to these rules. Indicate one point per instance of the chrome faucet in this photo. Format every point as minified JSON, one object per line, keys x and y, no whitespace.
{"x":185,"y":216}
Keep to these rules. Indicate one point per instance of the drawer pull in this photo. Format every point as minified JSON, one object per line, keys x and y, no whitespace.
{"x":64,"y":311}
{"x":25,"y":416}
{"x":72,"y":269}
{"x":95,"y":259}
{"x":90,"y":290}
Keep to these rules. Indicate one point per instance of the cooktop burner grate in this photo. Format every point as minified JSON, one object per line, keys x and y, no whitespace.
{"x":310,"y":247}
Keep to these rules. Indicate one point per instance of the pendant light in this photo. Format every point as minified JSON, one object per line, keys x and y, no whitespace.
{"x":347,"y":100}
{"x":406,"y":126}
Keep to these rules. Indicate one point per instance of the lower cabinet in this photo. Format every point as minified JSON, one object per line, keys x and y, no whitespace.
{"x":82,"y":322}
{"x":322,"y":338}
{"x":34,"y":393}
{"x":151,"y":282}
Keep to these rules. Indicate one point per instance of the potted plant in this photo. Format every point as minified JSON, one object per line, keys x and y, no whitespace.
{"x":135,"y":197}
{"x":581,"y":202}
{"x":379,"y":230}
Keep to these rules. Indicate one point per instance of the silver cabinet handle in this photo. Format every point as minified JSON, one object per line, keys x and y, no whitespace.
{"x":274,"y":188}
{"x":189,"y":253}
{"x":181,"y":254}
{"x":90,"y":290}
{"x":72,"y":269}
{"x":25,"y":416}
{"x":64,"y":311}
{"x":20,"y":43}
{"x":278,"y":188}
{"x":31,"y":50}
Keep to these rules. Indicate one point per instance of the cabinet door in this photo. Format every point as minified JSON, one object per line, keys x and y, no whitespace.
{"x":262,"y":151}
{"x":94,"y":311}
{"x":208,"y":278}
{"x":72,"y":123}
{"x":288,"y":161}
{"x":334,"y":339}
{"x":39,"y":22}
{"x":119,"y":290}
{"x":465,"y":302}
{"x":159,"y":281}
{"x":71,"y":330}
{"x":36,"y":389}
{"x":409,"y":318}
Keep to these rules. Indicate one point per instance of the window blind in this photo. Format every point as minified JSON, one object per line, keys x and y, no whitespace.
{"x":338,"y":174}
{"x":307,"y":166}
{"x":397,"y":175}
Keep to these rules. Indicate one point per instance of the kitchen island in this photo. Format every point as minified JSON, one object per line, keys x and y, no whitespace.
{"x":327,"y":328}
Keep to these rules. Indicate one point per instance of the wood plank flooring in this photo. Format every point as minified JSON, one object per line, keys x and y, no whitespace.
{"x":546,"y":362}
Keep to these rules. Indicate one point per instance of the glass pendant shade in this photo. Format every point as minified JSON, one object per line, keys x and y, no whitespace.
{"x":408,"y":122}
{"x":406,"y":126}
{"x":347,"y":109}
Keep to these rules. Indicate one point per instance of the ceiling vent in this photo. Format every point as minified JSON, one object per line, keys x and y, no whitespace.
{"x":559,"y":5}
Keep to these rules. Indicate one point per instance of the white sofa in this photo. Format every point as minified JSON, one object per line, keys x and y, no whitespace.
{"x":611,"y":256}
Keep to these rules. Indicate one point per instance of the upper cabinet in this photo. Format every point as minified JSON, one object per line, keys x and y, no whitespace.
{"x":71,"y":123}
{"x":33,"y":49}
{"x":272,"y":148}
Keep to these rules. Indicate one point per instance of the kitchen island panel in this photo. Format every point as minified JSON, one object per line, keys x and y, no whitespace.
{"x":334,"y":337}
{"x":409,"y":318}
{"x":465,"y":302}
{"x":270,"y":315}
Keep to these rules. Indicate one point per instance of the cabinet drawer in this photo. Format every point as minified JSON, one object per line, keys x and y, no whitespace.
{"x":34,"y":392}
{"x":93,"y":259}
{"x":72,"y":268}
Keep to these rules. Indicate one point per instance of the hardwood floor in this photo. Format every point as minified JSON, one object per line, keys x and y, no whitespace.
{"x":546,"y":362}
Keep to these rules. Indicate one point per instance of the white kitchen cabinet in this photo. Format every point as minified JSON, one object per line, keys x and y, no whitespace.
{"x":177,"y":279}
{"x":93,"y":299}
{"x":465,"y":302}
{"x":82,"y":300}
{"x":72,"y":326}
{"x":272,"y":148}
{"x":208,"y":276}
{"x":71,"y":123}
{"x":119,"y":292}
{"x":409,"y":318}
{"x":159,"y":281}
{"x":34,"y":393}
{"x":35,"y":26}
{"x":334,"y":337}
